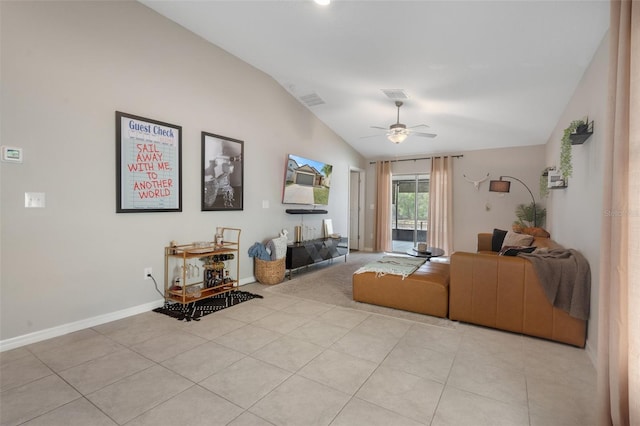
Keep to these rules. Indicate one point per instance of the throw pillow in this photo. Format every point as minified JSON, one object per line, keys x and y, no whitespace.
{"x":513,"y":251}
{"x":518,"y":240}
{"x":497,"y":239}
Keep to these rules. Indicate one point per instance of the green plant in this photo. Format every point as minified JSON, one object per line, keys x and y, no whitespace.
{"x":544,"y":182}
{"x":524,"y":213}
{"x":566,"y":168}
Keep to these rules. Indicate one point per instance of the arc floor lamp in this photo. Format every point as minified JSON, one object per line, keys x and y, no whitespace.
{"x":505,"y":186}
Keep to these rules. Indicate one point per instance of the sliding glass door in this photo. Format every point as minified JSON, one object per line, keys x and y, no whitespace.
{"x":409,"y":210}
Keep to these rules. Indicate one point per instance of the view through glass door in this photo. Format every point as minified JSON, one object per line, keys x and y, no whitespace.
{"x":409,"y":211}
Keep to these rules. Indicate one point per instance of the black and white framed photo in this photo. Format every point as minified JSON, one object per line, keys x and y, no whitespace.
{"x":222,"y":173}
{"x":148,"y":165}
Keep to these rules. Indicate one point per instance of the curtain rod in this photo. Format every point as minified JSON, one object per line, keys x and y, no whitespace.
{"x":422,"y":158}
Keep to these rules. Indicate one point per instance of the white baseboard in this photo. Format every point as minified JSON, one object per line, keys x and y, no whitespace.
{"x":249,"y":280}
{"x":37,"y":336}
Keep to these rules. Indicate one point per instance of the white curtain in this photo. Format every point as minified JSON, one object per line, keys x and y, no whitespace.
{"x":440,"y":233}
{"x":383,"y":207}
{"x":619,"y":297}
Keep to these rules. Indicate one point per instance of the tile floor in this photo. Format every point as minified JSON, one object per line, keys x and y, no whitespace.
{"x":288,"y":361}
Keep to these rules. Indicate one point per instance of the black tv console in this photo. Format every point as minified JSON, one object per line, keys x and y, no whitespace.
{"x":314,"y":251}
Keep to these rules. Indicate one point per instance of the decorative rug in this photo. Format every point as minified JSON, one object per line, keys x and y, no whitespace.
{"x":195,"y":310}
{"x":330,"y":282}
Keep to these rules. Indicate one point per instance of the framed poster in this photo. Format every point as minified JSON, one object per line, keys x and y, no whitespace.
{"x":222,"y":173}
{"x":148,"y":165}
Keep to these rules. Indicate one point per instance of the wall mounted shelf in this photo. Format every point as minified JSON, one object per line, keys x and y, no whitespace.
{"x":581,"y":137}
{"x":306,"y":211}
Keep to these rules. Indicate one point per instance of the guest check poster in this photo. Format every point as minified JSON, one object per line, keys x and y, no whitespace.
{"x":148,"y":163}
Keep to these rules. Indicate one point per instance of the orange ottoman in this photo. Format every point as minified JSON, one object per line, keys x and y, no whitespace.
{"x":426,"y":291}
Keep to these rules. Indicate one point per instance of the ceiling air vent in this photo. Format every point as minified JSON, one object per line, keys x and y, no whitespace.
{"x":311,"y":99}
{"x":395,"y":94}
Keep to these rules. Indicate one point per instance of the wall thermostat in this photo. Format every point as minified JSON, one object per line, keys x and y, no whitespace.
{"x":11,"y":154}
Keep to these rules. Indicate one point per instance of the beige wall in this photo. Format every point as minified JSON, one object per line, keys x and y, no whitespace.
{"x":577,"y":212}
{"x":476,"y":210}
{"x":66,"y":68}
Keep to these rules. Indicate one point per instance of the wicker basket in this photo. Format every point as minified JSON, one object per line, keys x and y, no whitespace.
{"x":269,"y":271}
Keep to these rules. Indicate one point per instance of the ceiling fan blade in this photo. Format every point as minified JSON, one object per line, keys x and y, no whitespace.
{"x":417,"y":125}
{"x":378,"y":127}
{"x":424,"y":135}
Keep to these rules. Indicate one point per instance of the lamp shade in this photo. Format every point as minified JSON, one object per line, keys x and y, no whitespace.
{"x":499,"y":186}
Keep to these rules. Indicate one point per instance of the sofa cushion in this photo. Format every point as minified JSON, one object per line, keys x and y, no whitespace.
{"x":515,"y":239}
{"x":497,"y":239}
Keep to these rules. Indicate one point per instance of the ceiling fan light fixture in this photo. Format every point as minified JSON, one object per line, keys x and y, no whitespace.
{"x":397,"y":137}
{"x":322,"y":2}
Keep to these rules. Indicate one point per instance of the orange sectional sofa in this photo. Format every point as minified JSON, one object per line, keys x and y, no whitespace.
{"x":504,"y":292}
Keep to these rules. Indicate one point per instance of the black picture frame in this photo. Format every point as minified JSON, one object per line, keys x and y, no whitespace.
{"x":222,"y":173}
{"x":148,"y":165}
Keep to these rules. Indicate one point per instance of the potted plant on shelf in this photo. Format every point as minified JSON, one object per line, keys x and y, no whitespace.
{"x":583,"y":127}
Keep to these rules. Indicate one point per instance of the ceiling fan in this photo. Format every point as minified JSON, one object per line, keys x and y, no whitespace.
{"x":398,"y":132}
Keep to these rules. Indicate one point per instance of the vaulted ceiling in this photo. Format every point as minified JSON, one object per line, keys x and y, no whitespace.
{"x":480,"y":74}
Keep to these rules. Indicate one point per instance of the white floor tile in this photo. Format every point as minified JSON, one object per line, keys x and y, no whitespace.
{"x":133,"y":395}
{"x":246,"y":381}
{"x":402,"y":393}
{"x":76,"y":413}
{"x":497,"y":382}
{"x":285,"y":360}
{"x":338,"y":370}
{"x":35,"y":398}
{"x":194,"y":406}
{"x":201,"y":362}
{"x":288,"y":353}
{"x":365,"y":346}
{"x":461,"y":408}
{"x":420,"y":361}
{"x":362,"y":413}
{"x":300,"y":401}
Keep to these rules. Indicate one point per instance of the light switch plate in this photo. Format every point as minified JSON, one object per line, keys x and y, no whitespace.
{"x":34,"y":199}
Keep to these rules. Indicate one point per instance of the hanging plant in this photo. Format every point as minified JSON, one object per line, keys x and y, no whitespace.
{"x":566,"y":168}
{"x":544,"y":182}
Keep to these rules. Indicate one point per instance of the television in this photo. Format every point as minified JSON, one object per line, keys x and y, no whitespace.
{"x":306,"y":181}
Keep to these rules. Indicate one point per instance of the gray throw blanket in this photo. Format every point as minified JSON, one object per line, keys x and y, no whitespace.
{"x":566,"y":279}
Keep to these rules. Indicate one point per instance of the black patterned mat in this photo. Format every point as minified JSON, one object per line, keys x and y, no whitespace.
{"x":195,"y":310}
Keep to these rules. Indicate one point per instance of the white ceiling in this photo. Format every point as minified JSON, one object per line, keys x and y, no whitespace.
{"x":481,"y":74}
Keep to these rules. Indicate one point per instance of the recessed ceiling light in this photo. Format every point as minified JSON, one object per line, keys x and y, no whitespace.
{"x":322,"y":2}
